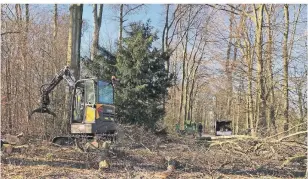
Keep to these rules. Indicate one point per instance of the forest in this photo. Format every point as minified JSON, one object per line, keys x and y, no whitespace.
{"x":244,"y":63}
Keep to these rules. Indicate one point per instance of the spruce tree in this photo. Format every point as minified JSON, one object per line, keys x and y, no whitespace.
{"x":143,"y":78}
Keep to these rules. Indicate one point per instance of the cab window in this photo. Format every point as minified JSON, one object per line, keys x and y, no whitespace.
{"x":105,"y":93}
{"x":90,"y":92}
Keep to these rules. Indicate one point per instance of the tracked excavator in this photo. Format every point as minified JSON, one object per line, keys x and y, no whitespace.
{"x":92,"y":110}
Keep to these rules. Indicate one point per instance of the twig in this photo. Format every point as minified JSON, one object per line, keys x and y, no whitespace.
{"x":294,"y":143}
{"x":4,"y":33}
{"x":132,"y":9}
{"x":222,"y":8}
{"x":291,"y":135}
{"x":286,"y":131}
{"x":139,"y":142}
{"x":294,"y":159}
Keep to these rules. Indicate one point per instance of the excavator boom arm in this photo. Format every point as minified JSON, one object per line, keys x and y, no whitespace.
{"x":64,"y":73}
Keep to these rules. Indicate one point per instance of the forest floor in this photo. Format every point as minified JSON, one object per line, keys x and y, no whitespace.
{"x":141,"y":154}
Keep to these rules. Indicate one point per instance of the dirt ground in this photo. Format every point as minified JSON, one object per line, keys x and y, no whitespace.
{"x":144,"y":156}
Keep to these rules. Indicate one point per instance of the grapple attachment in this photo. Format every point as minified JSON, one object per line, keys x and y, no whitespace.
{"x":42,"y":110}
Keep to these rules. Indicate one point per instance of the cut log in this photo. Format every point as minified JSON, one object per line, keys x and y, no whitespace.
{"x":209,"y":138}
{"x":104,"y":164}
{"x":12,"y":139}
{"x":299,"y":158}
{"x":7,"y":148}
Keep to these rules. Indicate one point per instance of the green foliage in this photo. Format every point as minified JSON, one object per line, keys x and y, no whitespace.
{"x":103,"y":65}
{"x":143,"y":78}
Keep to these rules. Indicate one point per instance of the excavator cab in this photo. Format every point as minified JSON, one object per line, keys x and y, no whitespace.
{"x":93,"y":110}
{"x":92,"y":113}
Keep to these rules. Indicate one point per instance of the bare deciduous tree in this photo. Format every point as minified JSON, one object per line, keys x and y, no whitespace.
{"x":97,"y":25}
{"x":285,"y":68}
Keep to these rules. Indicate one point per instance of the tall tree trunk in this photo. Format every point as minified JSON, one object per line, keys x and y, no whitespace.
{"x":121,"y":26}
{"x":73,"y":50}
{"x":97,"y":26}
{"x":285,"y":68}
{"x":299,"y":92}
{"x":247,"y":114}
{"x":250,"y":95}
{"x":248,"y":54}
{"x":182,"y":120}
{"x":27,"y":63}
{"x":261,"y":118}
{"x":76,"y":38}
{"x":238,"y":114}
{"x":55,"y":20}
{"x":228,"y":68}
{"x":186,"y":101}
{"x":55,"y":35}
{"x":55,"y":51}
{"x":70,"y":42}
{"x":165,"y":28}
{"x":27,"y":17}
{"x":290,"y":48}
{"x":165,"y":34}
{"x":18,"y":12}
{"x":174,"y":88}
{"x":8,"y":94}
{"x":231,"y":91}
{"x":270,"y":76}
{"x":250,"y":98}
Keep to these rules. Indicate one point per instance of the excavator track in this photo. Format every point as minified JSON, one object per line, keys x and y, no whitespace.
{"x":81,"y":141}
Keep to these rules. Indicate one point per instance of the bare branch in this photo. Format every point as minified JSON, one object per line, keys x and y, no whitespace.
{"x":222,"y":8}
{"x":132,"y":9}
{"x":4,"y":33}
{"x":291,"y":135}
